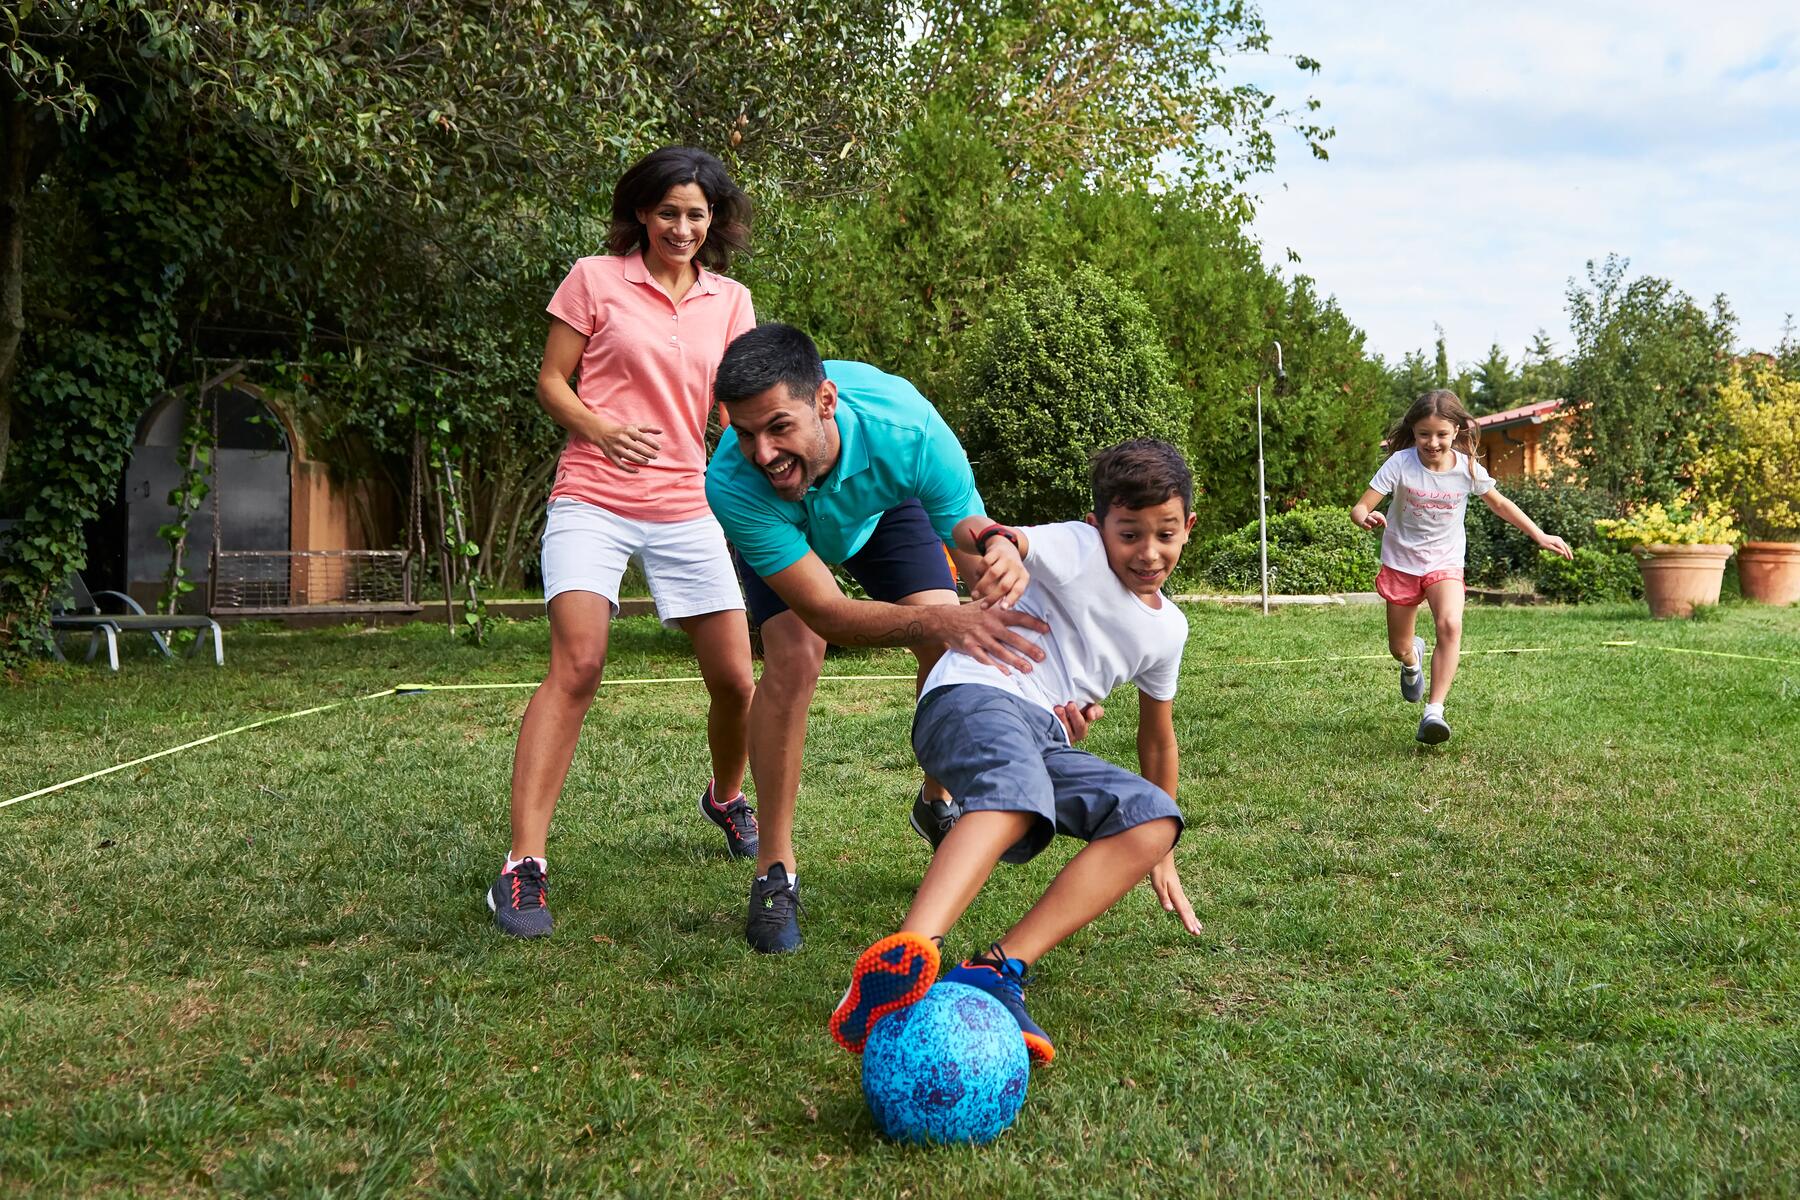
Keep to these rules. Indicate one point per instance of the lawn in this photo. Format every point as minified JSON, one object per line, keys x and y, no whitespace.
{"x":1558,"y":956}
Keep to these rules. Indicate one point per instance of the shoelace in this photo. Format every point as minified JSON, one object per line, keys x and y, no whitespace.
{"x":528,"y":886}
{"x":776,"y":913}
{"x":741,"y":817}
{"x":1011,"y":979}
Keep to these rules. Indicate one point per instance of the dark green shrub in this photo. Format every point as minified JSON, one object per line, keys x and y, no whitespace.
{"x":1592,"y":577}
{"x":1067,"y":366}
{"x":1559,"y":505}
{"x":1311,"y":550}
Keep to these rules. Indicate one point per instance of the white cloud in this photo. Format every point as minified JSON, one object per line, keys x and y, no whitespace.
{"x":1483,"y":156}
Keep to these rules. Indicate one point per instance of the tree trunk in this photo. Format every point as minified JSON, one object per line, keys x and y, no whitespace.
{"x":15,"y":171}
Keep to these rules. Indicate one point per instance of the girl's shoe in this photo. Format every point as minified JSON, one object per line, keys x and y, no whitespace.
{"x":1412,"y":679}
{"x":894,"y":973}
{"x":1433,"y":730}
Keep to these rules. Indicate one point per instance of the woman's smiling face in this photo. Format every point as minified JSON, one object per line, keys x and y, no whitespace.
{"x":676,"y":227}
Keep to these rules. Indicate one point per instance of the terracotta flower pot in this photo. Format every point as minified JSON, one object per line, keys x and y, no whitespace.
{"x":1678,"y":578}
{"x":1770,"y":571}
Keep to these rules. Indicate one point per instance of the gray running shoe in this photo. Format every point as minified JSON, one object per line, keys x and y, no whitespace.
{"x":518,"y":901}
{"x":1433,"y":730}
{"x":1412,"y":679}
{"x":736,"y":820}
{"x":933,"y":819}
{"x":774,"y":924}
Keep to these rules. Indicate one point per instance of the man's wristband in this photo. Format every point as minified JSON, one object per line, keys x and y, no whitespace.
{"x":990,"y":533}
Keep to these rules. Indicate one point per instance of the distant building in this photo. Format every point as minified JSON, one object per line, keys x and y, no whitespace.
{"x":1527,"y":440}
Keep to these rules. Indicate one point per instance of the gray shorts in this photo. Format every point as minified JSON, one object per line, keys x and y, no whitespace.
{"x":997,"y":752}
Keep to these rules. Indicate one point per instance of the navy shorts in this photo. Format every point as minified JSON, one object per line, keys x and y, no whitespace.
{"x":998,"y":752}
{"x":904,"y":555}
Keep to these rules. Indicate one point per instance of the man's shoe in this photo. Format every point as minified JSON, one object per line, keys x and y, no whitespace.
{"x":1412,"y":679}
{"x":736,"y":818}
{"x":932,"y":819}
{"x":774,"y":924}
{"x":895,"y":972}
{"x":1433,"y":730}
{"x":518,"y":901}
{"x":1004,"y":979}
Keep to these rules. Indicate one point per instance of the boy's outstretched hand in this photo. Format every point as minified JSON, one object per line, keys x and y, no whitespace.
{"x":1170,"y":894}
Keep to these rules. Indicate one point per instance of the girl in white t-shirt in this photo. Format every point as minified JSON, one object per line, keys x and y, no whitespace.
{"x":1431,"y":474}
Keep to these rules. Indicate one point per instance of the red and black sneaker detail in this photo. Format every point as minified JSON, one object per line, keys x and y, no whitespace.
{"x":893,"y":974}
{"x":519,"y":900}
{"x":736,"y":819}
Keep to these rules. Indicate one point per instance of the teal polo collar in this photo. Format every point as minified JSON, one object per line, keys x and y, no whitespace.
{"x":853,"y":448}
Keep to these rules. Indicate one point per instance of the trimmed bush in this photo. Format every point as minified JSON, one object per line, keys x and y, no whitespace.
{"x":1311,"y":551}
{"x":1066,"y":367}
{"x":1559,"y":505}
{"x":1593,"y":576}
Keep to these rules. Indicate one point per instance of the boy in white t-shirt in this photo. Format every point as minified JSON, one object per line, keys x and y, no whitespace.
{"x":994,"y":738}
{"x":1423,"y":545}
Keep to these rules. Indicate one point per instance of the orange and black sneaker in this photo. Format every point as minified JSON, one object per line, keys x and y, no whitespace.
{"x":735,"y":819}
{"x":1004,"y":979}
{"x":894,"y":973}
{"x":518,"y":900}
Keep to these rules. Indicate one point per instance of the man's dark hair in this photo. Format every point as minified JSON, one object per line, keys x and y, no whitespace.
{"x":645,"y":185}
{"x":1139,"y":474}
{"x":765,"y":356}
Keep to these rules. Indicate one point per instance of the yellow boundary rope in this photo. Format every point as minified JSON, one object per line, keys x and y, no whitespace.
{"x":404,"y":689}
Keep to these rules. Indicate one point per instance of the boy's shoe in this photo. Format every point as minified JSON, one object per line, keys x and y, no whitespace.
{"x":1412,"y":679}
{"x":518,"y":900}
{"x":933,"y":819}
{"x":774,"y":924}
{"x":895,"y":972}
{"x":1004,"y":979}
{"x":1433,"y":730}
{"x":736,"y":818}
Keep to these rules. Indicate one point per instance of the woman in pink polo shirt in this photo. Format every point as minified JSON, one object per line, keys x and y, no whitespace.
{"x":642,"y":331}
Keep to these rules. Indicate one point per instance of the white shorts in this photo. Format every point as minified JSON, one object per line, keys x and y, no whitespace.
{"x":686,"y":563}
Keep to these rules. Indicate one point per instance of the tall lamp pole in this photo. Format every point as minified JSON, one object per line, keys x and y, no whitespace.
{"x":1262,"y":489}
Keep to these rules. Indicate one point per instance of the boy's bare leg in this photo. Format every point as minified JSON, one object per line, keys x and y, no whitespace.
{"x":962,"y":863}
{"x":552,"y":725}
{"x":1446,"y":600}
{"x":1093,"y":882}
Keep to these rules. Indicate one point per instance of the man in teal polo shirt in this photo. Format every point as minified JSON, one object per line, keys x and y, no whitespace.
{"x":842,"y":463}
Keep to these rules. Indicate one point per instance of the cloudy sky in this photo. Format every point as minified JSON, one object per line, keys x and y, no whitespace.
{"x":1485,"y":152}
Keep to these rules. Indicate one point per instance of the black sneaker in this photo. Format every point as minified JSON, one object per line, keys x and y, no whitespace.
{"x":932,"y":819}
{"x":774,"y":924}
{"x":736,"y":818}
{"x":517,"y":900}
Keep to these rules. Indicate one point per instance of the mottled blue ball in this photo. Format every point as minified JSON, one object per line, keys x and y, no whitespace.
{"x":952,"y":1068}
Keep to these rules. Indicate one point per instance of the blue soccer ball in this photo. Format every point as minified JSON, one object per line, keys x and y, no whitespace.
{"x":951,"y":1068}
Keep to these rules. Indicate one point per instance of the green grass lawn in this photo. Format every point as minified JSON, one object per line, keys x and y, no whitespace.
{"x":1557,"y":956}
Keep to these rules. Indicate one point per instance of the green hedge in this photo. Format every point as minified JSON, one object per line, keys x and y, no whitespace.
{"x":1311,"y":550}
{"x":1593,"y":577}
{"x":1561,"y":506}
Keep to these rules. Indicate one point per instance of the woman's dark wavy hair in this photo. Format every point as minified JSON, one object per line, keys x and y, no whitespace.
{"x":1444,"y":404}
{"x":650,"y":179}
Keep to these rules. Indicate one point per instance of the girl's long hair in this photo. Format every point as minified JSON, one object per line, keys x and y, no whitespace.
{"x":1439,"y":402}
{"x":649,"y":181}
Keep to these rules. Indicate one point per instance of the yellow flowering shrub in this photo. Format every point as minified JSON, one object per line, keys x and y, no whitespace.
{"x":1680,"y":524}
{"x":1751,"y":466}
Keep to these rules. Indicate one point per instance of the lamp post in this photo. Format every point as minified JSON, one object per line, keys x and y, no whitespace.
{"x":1262,"y":489}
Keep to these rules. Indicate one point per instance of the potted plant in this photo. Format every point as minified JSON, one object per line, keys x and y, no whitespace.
{"x":1751,"y":465}
{"x":1681,"y":552}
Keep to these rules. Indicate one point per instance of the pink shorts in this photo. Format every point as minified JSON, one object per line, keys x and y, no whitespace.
{"x":1397,"y":587}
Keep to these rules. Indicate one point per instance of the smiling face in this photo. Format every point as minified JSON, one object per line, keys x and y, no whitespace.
{"x":675,"y":228}
{"x":793,"y":443}
{"x":1434,"y":438}
{"x":1144,"y":544}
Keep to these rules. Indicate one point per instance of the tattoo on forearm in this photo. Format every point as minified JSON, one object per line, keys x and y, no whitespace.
{"x":900,"y":635}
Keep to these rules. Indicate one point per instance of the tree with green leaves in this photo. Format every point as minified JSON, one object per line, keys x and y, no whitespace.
{"x":1646,"y":370}
{"x":1495,"y":385}
{"x":1542,"y":374}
